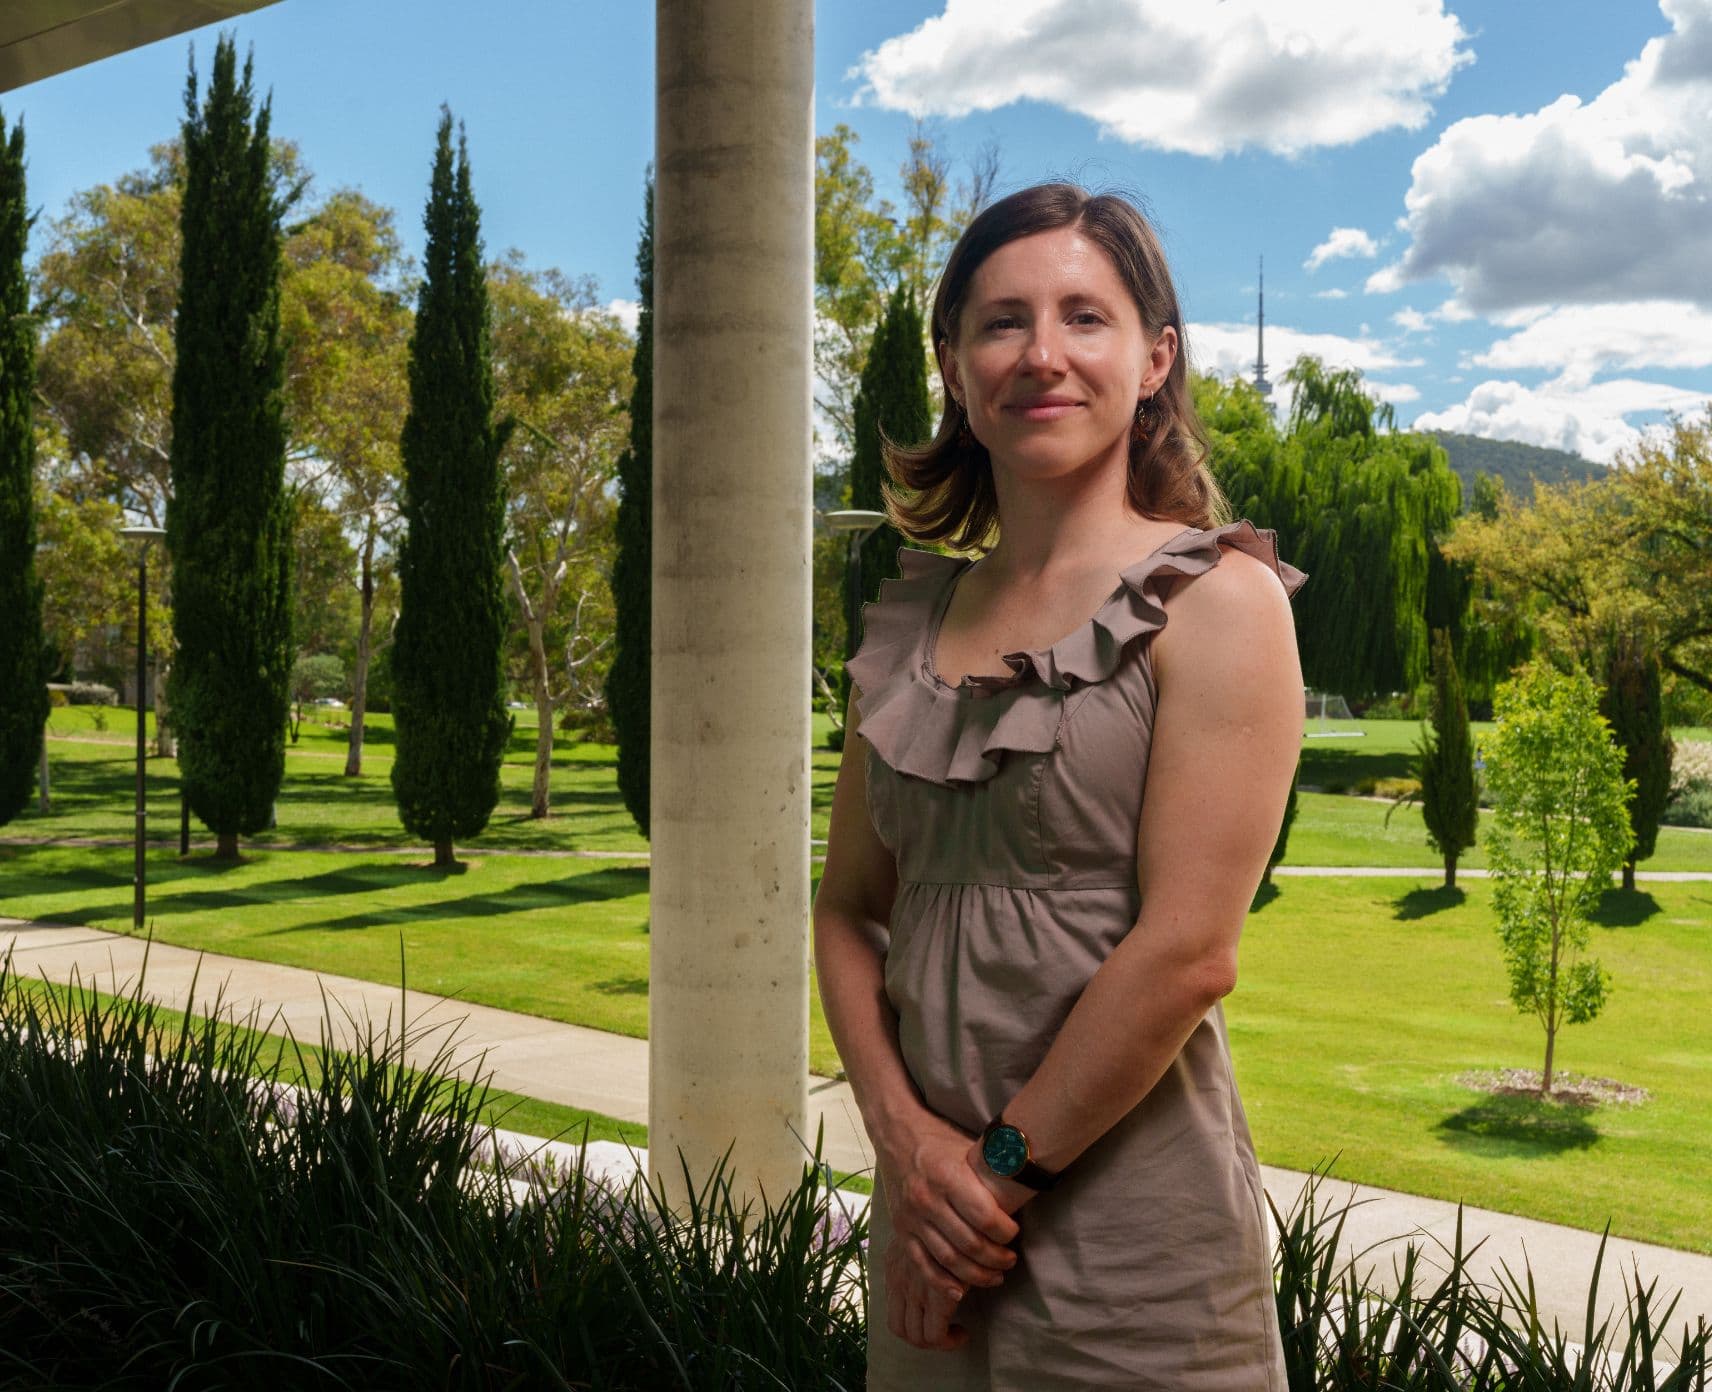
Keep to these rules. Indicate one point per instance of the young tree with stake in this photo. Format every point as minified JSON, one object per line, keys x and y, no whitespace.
{"x":1559,"y":828}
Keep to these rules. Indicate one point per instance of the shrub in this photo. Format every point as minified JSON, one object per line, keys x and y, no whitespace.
{"x":91,"y":694}
{"x":58,"y":699}
{"x":174,"y":1214}
{"x":1691,"y":806}
{"x":1692,"y":764}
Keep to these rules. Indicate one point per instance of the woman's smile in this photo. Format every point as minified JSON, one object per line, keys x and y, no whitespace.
{"x":1045,"y":408}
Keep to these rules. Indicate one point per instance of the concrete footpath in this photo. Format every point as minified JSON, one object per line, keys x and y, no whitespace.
{"x":608,"y":1073}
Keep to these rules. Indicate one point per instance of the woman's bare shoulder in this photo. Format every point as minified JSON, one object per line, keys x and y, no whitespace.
{"x":1239,"y":601}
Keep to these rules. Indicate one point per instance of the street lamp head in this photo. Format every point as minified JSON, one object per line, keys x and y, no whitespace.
{"x":143,"y":533}
{"x":859,"y":520}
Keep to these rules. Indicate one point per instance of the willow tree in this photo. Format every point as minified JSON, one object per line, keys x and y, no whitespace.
{"x":1381,"y":501}
{"x":448,"y":669}
{"x":228,"y":520}
{"x":23,"y":665}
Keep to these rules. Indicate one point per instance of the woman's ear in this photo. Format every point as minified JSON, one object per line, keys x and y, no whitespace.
{"x":1160,"y":357}
{"x":948,"y":372}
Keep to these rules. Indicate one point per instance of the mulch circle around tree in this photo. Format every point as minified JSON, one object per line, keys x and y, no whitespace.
{"x":1570,"y":1089}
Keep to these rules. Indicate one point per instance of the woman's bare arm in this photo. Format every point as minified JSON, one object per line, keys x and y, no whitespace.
{"x":948,"y":1228}
{"x":1226,"y":737}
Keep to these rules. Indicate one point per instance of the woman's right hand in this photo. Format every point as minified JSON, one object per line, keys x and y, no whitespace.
{"x":948,"y":1229}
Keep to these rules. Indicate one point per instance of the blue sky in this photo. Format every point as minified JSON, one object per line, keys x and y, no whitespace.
{"x":1514,"y":197}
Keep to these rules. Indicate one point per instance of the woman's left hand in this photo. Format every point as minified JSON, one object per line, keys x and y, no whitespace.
{"x":1010,"y":1194}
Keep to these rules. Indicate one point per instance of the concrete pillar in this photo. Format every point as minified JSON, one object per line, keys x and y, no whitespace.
{"x":733,"y":322}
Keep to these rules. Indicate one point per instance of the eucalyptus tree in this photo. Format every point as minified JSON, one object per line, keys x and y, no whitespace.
{"x":562,"y":368}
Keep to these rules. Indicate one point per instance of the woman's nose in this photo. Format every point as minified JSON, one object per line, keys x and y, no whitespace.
{"x":1044,"y":352}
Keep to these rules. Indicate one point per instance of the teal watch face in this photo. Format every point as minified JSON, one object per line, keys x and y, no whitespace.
{"x":1005,"y":1150}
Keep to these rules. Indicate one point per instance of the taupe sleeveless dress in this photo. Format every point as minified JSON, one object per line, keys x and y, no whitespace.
{"x":1011,"y":805}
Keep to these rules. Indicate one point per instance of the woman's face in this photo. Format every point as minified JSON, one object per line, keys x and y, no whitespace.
{"x":1050,"y":357}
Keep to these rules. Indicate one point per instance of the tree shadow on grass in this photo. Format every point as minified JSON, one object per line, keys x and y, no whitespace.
{"x":1425,"y":902}
{"x":595,"y":887}
{"x":1518,"y":1126}
{"x":1625,"y":908}
{"x":623,"y":986}
{"x":358,"y":879}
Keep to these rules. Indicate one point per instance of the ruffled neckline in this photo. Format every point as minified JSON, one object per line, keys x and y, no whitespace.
{"x":926,"y":728}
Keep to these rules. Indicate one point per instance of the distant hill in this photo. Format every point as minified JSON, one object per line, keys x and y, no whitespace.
{"x":1517,"y":464}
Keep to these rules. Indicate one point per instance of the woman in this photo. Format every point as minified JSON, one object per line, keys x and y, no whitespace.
{"x":1044,"y":845}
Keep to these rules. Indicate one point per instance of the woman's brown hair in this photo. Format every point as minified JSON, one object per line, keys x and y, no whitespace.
{"x":943,"y":490}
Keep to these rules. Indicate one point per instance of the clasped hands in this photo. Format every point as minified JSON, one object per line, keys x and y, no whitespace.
{"x":951,"y":1218}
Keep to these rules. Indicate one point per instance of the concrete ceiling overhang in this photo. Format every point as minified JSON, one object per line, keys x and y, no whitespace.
{"x":39,"y":38}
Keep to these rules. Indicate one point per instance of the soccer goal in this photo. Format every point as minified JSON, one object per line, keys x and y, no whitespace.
{"x":1321,"y":708}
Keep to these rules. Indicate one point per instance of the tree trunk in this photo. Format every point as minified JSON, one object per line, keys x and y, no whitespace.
{"x":1450,"y":871}
{"x":166,"y":741}
{"x":226,"y":846}
{"x":538,"y":797}
{"x":443,"y":854}
{"x":1546,"y":1077}
{"x":1629,"y":876}
{"x":360,"y":685}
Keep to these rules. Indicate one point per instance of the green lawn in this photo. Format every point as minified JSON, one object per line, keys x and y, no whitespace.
{"x":1360,"y":999}
{"x":94,"y":774}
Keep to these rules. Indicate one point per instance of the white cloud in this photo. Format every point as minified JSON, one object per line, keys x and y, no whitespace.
{"x":1412,"y":320}
{"x":1280,"y":75}
{"x":1577,"y":202}
{"x":627,"y":312}
{"x":1228,"y":349}
{"x":1587,"y":420}
{"x":1581,"y":341}
{"x":1331,"y":294}
{"x":1383,"y":281}
{"x":1397,"y":393}
{"x":1340,"y":242}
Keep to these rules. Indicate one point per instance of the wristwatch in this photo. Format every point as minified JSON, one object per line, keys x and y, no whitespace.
{"x":1005,"y":1149}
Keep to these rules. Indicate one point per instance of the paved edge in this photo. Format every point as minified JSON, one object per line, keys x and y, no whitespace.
{"x":525,"y":1054}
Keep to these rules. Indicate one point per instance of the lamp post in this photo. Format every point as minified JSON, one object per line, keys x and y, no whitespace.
{"x":145,"y":535}
{"x":857,"y":524}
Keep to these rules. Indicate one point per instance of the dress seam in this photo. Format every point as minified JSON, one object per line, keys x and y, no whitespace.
{"x":1003,"y":884}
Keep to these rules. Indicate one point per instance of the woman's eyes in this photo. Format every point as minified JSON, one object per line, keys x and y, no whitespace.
{"x":1081,"y":316}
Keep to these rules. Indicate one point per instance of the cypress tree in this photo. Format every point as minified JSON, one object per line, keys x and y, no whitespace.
{"x":1633,"y":702}
{"x":891,"y":404}
{"x":628,"y":682}
{"x":23,"y":647}
{"x":228,"y":521}
{"x":1445,"y":758}
{"x":448,"y":698}
{"x":1282,"y":844}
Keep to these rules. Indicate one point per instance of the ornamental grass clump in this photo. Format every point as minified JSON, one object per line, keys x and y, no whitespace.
{"x":175,"y":1213}
{"x":1440,"y":1330}
{"x":188,"y":1205}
